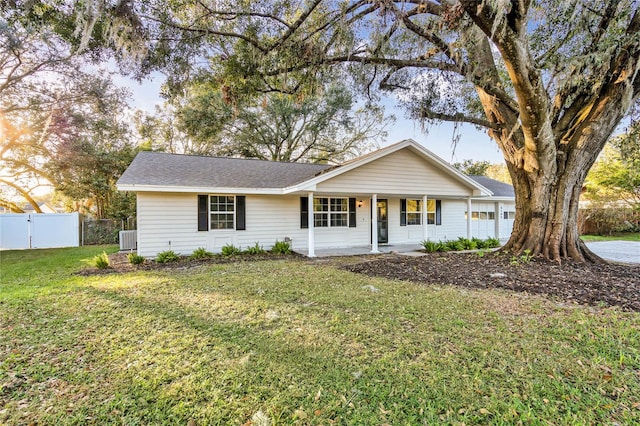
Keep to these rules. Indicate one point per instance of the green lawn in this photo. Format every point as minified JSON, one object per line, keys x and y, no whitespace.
{"x":629,"y":236}
{"x":297,"y":342}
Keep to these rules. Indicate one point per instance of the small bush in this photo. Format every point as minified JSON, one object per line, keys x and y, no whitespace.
{"x":255,"y":249}
{"x":480,"y":244}
{"x":230,"y":250}
{"x":167,"y":256}
{"x":200,"y":253}
{"x":135,"y":259}
{"x":281,"y":247}
{"x":430,"y":246}
{"x":454,"y":245}
{"x":492,"y":242}
{"x":100,"y":261}
{"x":468,"y":244}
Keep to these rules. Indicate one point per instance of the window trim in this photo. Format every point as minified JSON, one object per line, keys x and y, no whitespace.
{"x":330,"y":213}
{"x":417,"y":213}
{"x":233,"y":228}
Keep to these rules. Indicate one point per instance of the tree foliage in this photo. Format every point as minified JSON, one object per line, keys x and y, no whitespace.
{"x":614,"y":180}
{"x":281,"y":127}
{"x":472,"y":167}
{"x":550,"y":79}
{"x":59,"y":120}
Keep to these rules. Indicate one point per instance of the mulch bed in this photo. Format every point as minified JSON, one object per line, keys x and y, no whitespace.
{"x":591,"y":284}
{"x":120,"y":263}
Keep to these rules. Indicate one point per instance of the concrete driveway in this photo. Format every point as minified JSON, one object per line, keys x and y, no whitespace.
{"x":619,"y":251}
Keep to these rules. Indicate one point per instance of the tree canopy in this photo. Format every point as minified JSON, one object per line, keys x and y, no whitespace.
{"x":281,"y":127}
{"x":550,"y":80}
{"x":614,"y":180}
{"x":56,"y":114}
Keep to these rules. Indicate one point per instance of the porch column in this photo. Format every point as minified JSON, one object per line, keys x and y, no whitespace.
{"x":374,"y":224}
{"x":469,"y":217}
{"x":497,"y":222}
{"x":312,"y":234}
{"x":425,"y":220}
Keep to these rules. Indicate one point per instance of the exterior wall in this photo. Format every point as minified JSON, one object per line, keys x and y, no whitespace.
{"x":168,"y":221}
{"x":401,"y":170}
{"x":506,"y":225}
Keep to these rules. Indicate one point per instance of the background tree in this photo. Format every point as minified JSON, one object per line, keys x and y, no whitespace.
{"x":550,"y":80}
{"x":55,"y":108}
{"x":614,"y":180}
{"x":281,"y":127}
{"x":473,"y":167}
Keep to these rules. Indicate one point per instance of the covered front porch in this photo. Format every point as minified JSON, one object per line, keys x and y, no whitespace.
{"x":408,"y":249}
{"x":352,"y":224}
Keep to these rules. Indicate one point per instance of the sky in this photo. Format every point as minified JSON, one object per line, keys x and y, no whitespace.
{"x":473,"y":144}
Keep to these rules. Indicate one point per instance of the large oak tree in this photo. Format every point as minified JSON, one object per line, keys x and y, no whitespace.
{"x":550,"y":80}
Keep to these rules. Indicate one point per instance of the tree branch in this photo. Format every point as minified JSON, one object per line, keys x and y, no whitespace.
{"x":458,"y":118}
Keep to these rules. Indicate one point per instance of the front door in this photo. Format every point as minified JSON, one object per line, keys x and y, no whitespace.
{"x":383,"y":222}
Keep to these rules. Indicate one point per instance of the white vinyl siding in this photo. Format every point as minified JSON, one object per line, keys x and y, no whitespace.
{"x":401,"y":172}
{"x":168,"y":221}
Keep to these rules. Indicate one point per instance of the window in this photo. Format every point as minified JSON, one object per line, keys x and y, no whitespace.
{"x":330,"y":212}
{"x":339,"y":212}
{"x":222,"y":211}
{"x":431,"y":212}
{"x":411,"y":212}
{"x":482,"y":215}
{"x":414,"y":212}
{"x":509,"y":215}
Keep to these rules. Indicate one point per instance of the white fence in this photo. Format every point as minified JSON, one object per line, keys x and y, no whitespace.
{"x":23,"y":231}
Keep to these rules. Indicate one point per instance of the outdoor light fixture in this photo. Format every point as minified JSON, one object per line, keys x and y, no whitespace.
{"x":359,"y":203}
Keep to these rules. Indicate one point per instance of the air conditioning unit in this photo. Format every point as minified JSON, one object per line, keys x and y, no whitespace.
{"x":128,"y":240}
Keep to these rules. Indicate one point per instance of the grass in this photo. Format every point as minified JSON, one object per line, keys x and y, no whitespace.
{"x":633,"y":236}
{"x":295,"y":342}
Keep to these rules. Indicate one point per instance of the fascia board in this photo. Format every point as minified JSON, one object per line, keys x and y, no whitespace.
{"x":192,"y":189}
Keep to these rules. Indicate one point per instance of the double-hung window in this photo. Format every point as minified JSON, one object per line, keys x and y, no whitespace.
{"x":222,"y":211}
{"x":414,"y":212}
{"x":330,"y":212}
{"x":431,"y":212}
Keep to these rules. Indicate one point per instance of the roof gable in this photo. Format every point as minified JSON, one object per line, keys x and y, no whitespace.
{"x":435,"y":162}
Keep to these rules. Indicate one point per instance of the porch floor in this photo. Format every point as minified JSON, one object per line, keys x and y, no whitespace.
{"x":408,"y":249}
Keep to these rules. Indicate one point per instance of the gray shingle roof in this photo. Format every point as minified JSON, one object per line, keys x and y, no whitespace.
{"x":163,"y":169}
{"x":499,"y":189}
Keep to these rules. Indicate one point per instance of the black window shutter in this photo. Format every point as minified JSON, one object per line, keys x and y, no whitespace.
{"x":438,"y":212}
{"x":352,"y":212}
{"x":304,"y":212}
{"x":403,"y":212}
{"x":203,"y":213}
{"x":240,"y":213}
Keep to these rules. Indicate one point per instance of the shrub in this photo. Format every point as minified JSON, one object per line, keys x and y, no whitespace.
{"x":100,"y":261}
{"x":468,"y":244}
{"x":255,"y":249}
{"x":230,"y":250}
{"x":443,"y":246}
{"x":135,"y":259}
{"x":454,"y":245}
{"x":281,"y":247}
{"x":167,"y":256}
{"x":480,"y":244}
{"x":200,"y":253}
{"x":430,"y":246}
{"x":492,"y":242}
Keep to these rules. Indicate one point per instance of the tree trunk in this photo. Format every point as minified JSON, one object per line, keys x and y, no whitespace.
{"x":546,"y":220}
